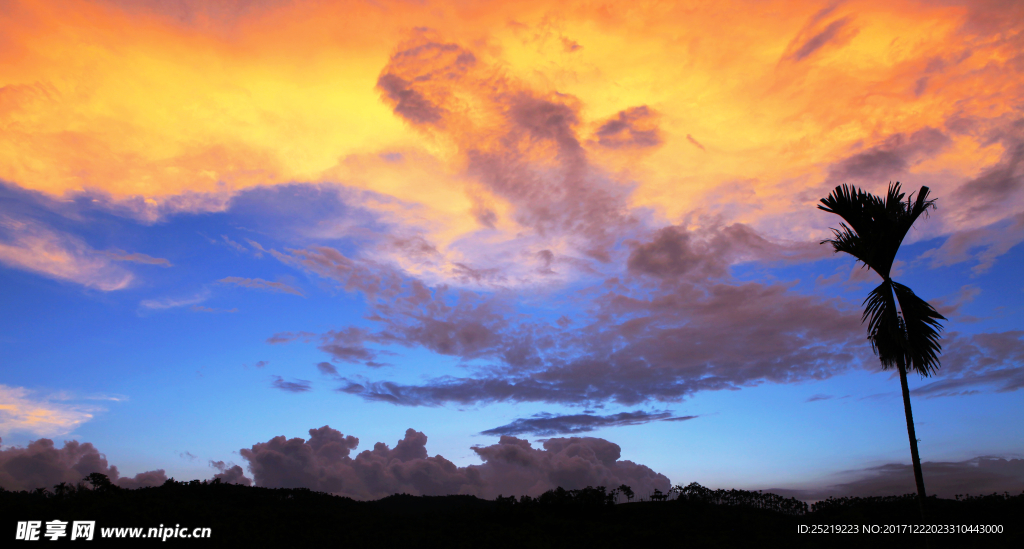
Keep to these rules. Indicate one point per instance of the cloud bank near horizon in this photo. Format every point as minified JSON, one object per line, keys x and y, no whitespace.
{"x":513,"y":466}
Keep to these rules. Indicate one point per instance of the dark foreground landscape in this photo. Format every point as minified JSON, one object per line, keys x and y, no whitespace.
{"x":690,"y":516}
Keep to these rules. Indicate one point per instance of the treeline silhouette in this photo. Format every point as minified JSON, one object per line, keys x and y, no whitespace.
{"x":592,"y":516}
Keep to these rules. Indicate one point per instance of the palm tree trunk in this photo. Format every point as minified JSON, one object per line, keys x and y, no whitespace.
{"x":913,"y":438}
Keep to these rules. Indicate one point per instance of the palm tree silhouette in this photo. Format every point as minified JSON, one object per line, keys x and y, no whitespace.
{"x":904,"y":338}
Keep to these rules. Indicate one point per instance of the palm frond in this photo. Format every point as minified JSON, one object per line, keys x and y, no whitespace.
{"x":881,"y":224}
{"x":885,"y":327}
{"x":856,"y":236}
{"x":922,"y":331}
{"x":847,"y":241}
{"x":853,"y":205}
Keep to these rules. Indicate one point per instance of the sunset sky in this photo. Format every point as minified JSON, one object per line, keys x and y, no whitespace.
{"x":442,"y":223}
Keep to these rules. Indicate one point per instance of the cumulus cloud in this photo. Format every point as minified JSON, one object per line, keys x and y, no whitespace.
{"x":545,"y":424}
{"x":42,"y":465}
{"x":230,"y":473}
{"x":260,"y":284}
{"x":512,"y":466}
{"x":32,"y":246}
{"x":21,"y":411}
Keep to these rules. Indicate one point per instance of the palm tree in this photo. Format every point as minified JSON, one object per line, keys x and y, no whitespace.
{"x":904,"y":338}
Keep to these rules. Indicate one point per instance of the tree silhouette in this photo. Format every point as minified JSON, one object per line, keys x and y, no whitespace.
{"x":906,"y":337}
{"x":626,"y":491}
{"x":99,"y":482}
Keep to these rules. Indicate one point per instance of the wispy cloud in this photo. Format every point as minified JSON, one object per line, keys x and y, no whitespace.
{"x":297,"y":386}
{"x":260,"y":284}
{"x":31,"y":246}
{"x":22,"y":411}
{"x":174,"y":302}
{"x":549,"y":424}
{"x":979,"y":476}
{"x":121,"y":255}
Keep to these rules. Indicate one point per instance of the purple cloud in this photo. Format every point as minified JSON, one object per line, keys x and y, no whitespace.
{"x":888,"y":159}
{"x":297,"y":386}
{"x":636,"y":127}
{"x":260,"y":284}
{"x":978,"y":476}
{"x":549,"y":424}
{"x":512,"y":466}
{"x":674,"y":325}
{"x":42,"y":465}
{"x":971,"y":363}
{"x":232,"y":474}
{"x":121,"y":255}
{"x":816,"y":42}
{"x":327,"y":368}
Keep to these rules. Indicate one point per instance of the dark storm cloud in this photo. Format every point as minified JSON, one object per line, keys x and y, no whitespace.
{"x":549,"y":424}
{"x":42,"y":465}
{"x":297,"y":386}
{"x":636,"y":127}
{"x":512,"y":466}
{"x":978,"y":476}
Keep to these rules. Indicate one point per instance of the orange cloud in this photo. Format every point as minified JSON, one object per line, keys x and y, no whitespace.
{"x":20,"y":411}
{"x":137,"y":102}
{"x":31,"y":246}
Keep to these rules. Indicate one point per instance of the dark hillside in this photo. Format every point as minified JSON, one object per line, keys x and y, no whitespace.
{"x":264,"y":517}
